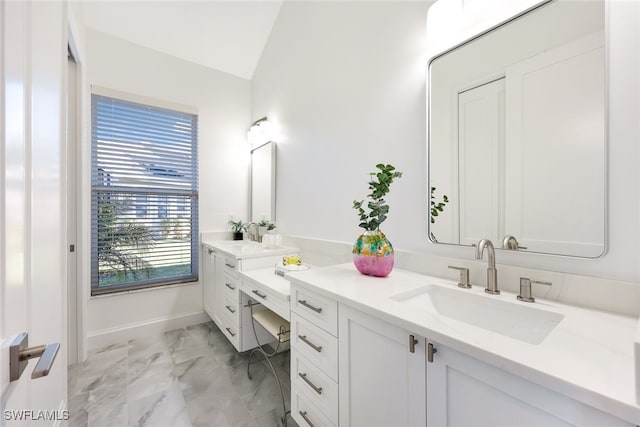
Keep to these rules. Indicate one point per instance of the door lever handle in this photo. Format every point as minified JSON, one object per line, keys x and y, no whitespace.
{"x":19,"y":355}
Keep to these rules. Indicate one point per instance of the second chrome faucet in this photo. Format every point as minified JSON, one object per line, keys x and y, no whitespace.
{"x":492,"y":273}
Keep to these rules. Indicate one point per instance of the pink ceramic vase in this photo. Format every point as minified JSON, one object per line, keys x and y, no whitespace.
{"x":373,"y":254}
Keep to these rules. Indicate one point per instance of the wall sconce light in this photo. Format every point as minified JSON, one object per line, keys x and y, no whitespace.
{"x":260,"y":132}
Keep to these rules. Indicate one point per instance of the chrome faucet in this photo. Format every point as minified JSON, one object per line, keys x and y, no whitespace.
{"x":492,"y":273}
{"x":253,"y":236}
{"x":510,"y":242}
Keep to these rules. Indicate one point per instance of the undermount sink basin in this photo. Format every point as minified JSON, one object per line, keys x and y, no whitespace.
{"x":515,"y":320}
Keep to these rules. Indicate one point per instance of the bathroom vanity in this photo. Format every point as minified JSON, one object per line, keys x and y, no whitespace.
{"x":223,"y":299}
{"x":417,"y":350}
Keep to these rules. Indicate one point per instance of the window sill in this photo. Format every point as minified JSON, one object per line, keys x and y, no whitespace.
{"x":149,"y":289}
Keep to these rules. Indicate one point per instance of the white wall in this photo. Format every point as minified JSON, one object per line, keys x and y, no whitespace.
{"x":223,"y":104}
{"x":345,"y":81}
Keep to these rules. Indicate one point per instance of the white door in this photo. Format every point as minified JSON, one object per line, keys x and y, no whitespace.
{"x":547,"y":95}
{"x":32,"y":207}
{"x":481,"y":159}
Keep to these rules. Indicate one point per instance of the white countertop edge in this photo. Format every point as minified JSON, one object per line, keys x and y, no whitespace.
{"x":223,"y":246}
{"x":621,"y":408}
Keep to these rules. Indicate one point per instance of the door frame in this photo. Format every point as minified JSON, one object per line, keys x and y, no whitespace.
{"x":77,"y":296}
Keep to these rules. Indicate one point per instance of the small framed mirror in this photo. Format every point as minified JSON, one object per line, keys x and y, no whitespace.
{"x":263,"y":183}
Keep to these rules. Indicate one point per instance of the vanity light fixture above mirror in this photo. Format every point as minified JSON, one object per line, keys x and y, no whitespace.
{"x":260,"y":132}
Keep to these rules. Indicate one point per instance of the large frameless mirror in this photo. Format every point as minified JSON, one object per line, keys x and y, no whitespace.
{"x":517,"y":134}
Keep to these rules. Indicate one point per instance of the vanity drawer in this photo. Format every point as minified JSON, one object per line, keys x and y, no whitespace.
{"x":319,"y":389}
{"x":320,"y":310}
{"x":275,"y":301}
{"x":315,"y":344}
{"x":231,"y":266}
{"x":231,"y":331}
{"x":231,"y":309}
{"x":306,"y":413}
{"x":231,"y":286}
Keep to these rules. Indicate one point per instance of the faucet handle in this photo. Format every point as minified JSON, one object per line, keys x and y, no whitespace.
{"x":525,"y":289}
{"x":464,"y":277}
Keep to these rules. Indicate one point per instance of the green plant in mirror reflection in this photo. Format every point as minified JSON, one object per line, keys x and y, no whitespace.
{"x":437,"y":207}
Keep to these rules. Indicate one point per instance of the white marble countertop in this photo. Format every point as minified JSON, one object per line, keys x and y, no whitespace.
{"x":589,"y":356}
{"x":243,"y":249}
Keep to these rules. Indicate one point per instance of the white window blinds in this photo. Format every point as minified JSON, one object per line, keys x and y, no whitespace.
{"x":144,"y":180}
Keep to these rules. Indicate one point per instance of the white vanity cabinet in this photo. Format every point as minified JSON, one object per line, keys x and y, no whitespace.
{"x":222,"y":297}
{"x":463,"y":391}
{"x":581,"y":374}
{"x":314,"y":358}
{"x":352,"y":369}
{"x":381,"y":372}
{"x":208,"y":280}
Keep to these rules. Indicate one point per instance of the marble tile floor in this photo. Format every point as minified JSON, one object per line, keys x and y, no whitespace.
{"x":186,"y":377}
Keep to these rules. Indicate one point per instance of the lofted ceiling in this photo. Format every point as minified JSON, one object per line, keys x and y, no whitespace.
{"x":228,"y":36}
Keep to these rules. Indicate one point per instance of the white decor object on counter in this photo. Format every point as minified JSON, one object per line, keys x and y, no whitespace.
{"x":271,"y":241}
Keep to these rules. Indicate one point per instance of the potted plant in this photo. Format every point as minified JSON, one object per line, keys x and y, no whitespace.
{"x":238,"y":228}
{"x":373,"y":252}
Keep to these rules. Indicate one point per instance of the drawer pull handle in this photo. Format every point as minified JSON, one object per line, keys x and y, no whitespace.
{"x":260,"y":294}
{"x":308,"y":381}
{"x":306,"y":304}
{"x":230,"y":286}
{"x":226,"y":264}
{"x":303,"y":414}
{"x":230,"y":309}
{"x":304,"y":339}
{"x":431,"y":350}
{"x":229,"y":330}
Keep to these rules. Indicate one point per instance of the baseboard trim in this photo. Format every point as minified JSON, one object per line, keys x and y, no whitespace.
{"x":124,"y":333}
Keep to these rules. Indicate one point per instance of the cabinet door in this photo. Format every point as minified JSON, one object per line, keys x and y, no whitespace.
{"x":208,"y":281}
{"x":218,"y":289}
{"x":462,"y":391}
{"x":381,"y":382}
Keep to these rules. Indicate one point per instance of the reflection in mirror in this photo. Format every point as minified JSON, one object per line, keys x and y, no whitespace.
{"x":263,"y":183}
{"x":517,"y":134}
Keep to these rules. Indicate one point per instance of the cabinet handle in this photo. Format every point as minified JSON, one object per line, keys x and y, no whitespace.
{"x":260,"y":294}
{"x":226,"y":264}
{"x":308,"y":381}
{"x":412,"y":343}
{"x":431,"y":350}
{"x":230,"y":309}
{"x":306,"y":304}
{"x":303,"y":414}
{"x":229,"y":330}
{"x":230,"y":286}
{"x":304,"y":339}
{"x":210,"y":251}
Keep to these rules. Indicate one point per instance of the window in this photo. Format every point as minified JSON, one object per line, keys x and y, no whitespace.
{"x":144,"y":186}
